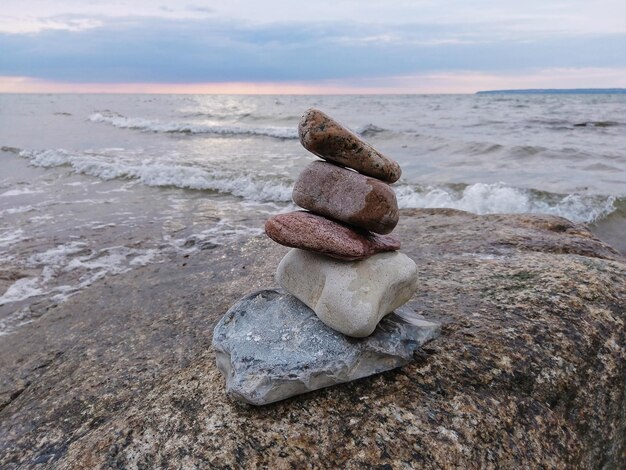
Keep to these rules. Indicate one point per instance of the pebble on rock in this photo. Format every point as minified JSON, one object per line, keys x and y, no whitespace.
{"x":270,"y":346}
{"x":316,"y":233}
{"x":349,"y":296}
{"x":329,"y":140}
{"x":347,"y":196}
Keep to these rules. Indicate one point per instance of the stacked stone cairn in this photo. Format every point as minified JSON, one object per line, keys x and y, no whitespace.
{"x":343,"y":265}
{"x":342,"y":278}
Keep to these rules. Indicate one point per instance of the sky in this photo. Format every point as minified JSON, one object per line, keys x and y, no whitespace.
{"x":322,"y":46}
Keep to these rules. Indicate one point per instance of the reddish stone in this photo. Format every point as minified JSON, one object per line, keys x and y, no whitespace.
{"x":316,"y":233}
{"x":347,"y":196}
{"x":329,"y":140}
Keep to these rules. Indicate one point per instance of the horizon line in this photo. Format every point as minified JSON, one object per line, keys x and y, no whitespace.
{"x":434,"y":83}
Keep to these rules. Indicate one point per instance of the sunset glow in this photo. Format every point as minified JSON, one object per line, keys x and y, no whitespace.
{"x":460,"y":82}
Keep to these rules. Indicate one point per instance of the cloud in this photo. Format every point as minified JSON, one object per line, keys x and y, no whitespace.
{"x":280,"y":41}
{"x":529,"y":16}
{"x":152,"y":50}
{"x":30,"y":25}
{"x":200,"y":9}
{"x":34,"y":16}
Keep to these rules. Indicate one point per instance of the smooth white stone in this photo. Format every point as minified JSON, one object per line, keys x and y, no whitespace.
{"x":349,"y":296}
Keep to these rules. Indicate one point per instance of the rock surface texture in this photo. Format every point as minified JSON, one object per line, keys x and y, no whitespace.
{"x":347,"y":196}
{"x":326,"y":138}
{"x":270,"y":346}
{"x":349,"y":296}
{"x":528,"y":372}
{"x":312,"y":232}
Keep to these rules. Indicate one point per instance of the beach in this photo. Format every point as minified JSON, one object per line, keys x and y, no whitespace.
{"x":131,"y":224}
{"x":93,"y":186}
{"x":529,"y":366}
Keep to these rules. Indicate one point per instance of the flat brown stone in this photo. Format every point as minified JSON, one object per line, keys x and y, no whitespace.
{"x":347,"y":196}
{"x":329,"y":140}
{"x":316,"y":233}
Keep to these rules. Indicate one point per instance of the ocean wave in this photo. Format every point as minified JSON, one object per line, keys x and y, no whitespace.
{"x":480,"y":198}
{"x":599,"y":124}
{"x":244,"y":116}
{"x":17,"y":210}
{"x":19,"y":192}
{"x":370,"y":130}
{"x":242,"y":184}
{"x":492,"y":198}
{"x":13,"y":150}
{"x":562,"y":124}
{"x":447,"y":146}
{"x":173,"y":127}
{"x":476,"y":148}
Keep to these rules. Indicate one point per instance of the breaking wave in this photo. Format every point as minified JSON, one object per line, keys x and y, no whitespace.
{"x":148,"y":125}
{"x":175,"y":127}
{"x":245,"y":185}
{"x":492,"y":198}
{"x":479,"y":198}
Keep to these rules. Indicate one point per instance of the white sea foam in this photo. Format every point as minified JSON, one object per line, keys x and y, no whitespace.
{"x":77,"y":266}
{"x":245,"y":185}
{"x":11,"y":237}
{"x":17,"y":210}
{"x":70,"y":267}
{"x":57,"y":255}
{"x":155,"y":125}
{"x":22,"y":289}
{"x":150,"y":125}
{"x":480,"y":198}
{"x":483,"y":198}
{"x":222,"y":232}
{"x":19,"y":192}
{"x":14,"y":320}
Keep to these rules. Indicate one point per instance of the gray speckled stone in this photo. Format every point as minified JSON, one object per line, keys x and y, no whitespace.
{"x":270,"y":346}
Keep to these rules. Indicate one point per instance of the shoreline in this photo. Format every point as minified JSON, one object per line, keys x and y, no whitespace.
{"x":123,"y":372}
{"x":612,"y":230}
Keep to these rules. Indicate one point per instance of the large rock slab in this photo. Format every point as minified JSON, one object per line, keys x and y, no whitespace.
{"x":270,"y":346}
{"x":329,"y":140}
{"x":344,"y":195}
{"x":349,"y":296}
{"x":528,"y":372}
{"x":312,"y":232}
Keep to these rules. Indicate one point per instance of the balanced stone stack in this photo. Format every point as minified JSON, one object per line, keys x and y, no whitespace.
{"x":344,"y":265}
{"x":342,"y":278}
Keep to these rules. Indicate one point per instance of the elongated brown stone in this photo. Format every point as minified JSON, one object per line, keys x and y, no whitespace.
{"x":347,"y":196}
{"x":316,"y":233}
{"x":329,"y":140}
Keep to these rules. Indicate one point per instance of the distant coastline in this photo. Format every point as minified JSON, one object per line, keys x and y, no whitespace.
{"x":557,"y":91}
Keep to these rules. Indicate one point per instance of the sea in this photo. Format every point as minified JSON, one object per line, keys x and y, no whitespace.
{"x":93,"y":186}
